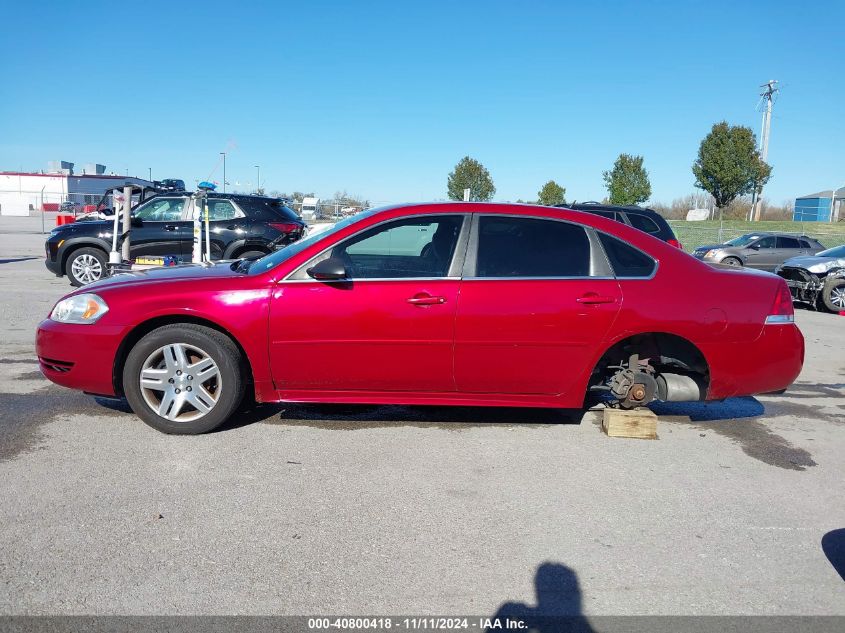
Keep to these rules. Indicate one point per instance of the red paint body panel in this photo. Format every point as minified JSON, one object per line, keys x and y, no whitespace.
{"x":505,"y":327}
{"x":490,"y":342}
{"x":355,"y":335}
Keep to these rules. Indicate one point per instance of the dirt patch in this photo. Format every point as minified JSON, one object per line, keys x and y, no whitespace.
{"x":22,"y":416}
{"x":735,"y":418}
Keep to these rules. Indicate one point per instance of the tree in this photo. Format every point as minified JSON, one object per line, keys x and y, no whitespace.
{"x":728,"y":164}
{"x":472,"y":175}
{"x":551,"y":194}
{"x":627,"y":182}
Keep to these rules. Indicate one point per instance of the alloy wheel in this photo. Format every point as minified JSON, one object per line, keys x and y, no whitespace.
{"x":180,"y":382}
{"x":837,"y":297}
{"x":86,"y":268}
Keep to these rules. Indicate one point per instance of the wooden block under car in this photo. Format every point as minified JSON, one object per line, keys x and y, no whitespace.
{"x":636,"y":423}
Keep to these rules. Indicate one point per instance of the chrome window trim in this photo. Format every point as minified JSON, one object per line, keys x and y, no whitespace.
{"x":360,"y":280}
{"x":458,"y":255}
{"x":469,"y":273}
{"x":538,"y":278}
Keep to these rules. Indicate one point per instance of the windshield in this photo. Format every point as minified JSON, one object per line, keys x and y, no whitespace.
{"x":743,"y":240}
{"x":274,"y":259}
{"x":836,"y":251}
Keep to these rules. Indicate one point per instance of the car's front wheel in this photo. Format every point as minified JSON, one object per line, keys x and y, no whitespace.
{"x":732,"y":261}
{"x":833,"y":294}
{"x":184,"y":378}
{"x":85,"y":266}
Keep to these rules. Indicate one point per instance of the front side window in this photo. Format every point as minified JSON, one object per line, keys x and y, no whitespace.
{"x":531,"y":247}
{"x":161,"y":210}
{"x":626,"y":260}
{"x":766,"y":242}
{"x":412,"y":247}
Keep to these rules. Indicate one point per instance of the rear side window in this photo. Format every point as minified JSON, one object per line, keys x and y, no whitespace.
{"x":626,"y":260}
{"x":788,"y":242}
{"x":531,"y":247}
{"x":643,"y":223}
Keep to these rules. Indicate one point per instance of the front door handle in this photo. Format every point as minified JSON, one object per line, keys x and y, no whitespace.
{"x":170,"y":227}
{"x":592,"y":298}
{"x":425,"y":299}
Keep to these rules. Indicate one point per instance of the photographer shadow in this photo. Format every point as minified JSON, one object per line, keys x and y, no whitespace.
{"x":558,"y":606}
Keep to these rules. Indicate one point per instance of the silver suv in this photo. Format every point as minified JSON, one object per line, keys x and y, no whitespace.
{"x":762,"y":250}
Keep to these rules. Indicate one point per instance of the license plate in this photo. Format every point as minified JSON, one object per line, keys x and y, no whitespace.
{"x":150,"y":261}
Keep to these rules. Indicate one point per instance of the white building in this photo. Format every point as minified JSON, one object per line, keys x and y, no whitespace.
{"x":31,"y":193}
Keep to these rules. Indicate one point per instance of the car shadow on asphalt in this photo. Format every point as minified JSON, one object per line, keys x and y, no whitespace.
{"x":558,"y":608}
{"x":346,"y":417}
{"x":833,"y":546}
{"x":13,"y":260}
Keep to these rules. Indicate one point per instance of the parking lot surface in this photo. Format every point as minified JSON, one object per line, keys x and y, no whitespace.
{"x":300,"y":509}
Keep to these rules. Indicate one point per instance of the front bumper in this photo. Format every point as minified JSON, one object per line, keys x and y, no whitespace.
{"x":79,"y":356}
{"x":803,"y":285}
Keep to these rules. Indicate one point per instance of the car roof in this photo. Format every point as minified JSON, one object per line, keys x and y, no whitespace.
{"x":627,"y":208}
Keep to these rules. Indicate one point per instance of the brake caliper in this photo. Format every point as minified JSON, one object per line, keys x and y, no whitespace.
{"x":633,"y":385}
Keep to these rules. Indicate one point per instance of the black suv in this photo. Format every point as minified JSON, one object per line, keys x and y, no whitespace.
{"x":240,"y":226}
{"x":643,"y":219}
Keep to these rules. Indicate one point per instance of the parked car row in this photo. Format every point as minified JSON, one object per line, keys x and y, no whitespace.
{"x":445,"y":304}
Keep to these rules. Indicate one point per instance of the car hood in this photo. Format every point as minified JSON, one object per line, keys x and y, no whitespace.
{"x":707,"y":247}
{"x":814,"y":261}
{"x":805,"y":261}
{"x":166,"y":273}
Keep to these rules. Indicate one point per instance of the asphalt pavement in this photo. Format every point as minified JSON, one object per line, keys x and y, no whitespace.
{"x":300,"y":509}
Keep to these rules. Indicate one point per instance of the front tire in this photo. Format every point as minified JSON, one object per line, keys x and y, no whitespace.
{"x":732,"y":261}
{"x":85,"y":266}
{"x":833,"y":294}
{"x":184,"y":379}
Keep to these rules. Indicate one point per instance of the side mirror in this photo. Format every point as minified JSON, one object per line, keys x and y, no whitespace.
{"x":755,"y":247}
{"x":331,"y":269}
{"x":135,"y":221}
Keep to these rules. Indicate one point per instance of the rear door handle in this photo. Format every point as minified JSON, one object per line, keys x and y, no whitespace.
{"x":426,"y":300}
{"x":593,"y":298}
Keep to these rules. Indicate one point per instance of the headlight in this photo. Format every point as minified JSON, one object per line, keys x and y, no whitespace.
{"x":84,"y":309}
{"x":711,"y":253}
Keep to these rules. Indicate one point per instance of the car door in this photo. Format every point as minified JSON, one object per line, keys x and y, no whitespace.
{"x":762,"y":254}
{"x":788,"y":247}
{"x":227,"y":223}
{"x":388,"y":326}
{"x":160,"y":228}
{"x":537,"y":299}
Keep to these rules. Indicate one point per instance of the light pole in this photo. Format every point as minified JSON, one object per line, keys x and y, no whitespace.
{"x":223,"y":154}
{"x":151,"y":173}
{"x":258,"y":179}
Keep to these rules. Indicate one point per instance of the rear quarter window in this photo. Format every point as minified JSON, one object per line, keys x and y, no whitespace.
{"x":626,"y":260}
{"x":268,"y":207}
{"x":643,"y":223}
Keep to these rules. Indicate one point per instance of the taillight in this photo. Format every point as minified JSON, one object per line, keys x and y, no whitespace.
{"x":285,"y":227}
{"x":675,"y":243}
{"x":782,"y":310}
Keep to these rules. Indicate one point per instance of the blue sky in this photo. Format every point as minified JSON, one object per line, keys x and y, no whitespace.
{"x":383,"y":98}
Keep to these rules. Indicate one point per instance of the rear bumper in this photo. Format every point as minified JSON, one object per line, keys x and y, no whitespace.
{"x":79,"y":356}
{"x":770,"y":363}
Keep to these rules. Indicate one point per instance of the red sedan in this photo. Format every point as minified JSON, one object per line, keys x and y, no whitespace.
{"x":440,"y":304}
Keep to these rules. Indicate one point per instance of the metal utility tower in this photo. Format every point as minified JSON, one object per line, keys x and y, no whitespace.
{"x":770,"y":89}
